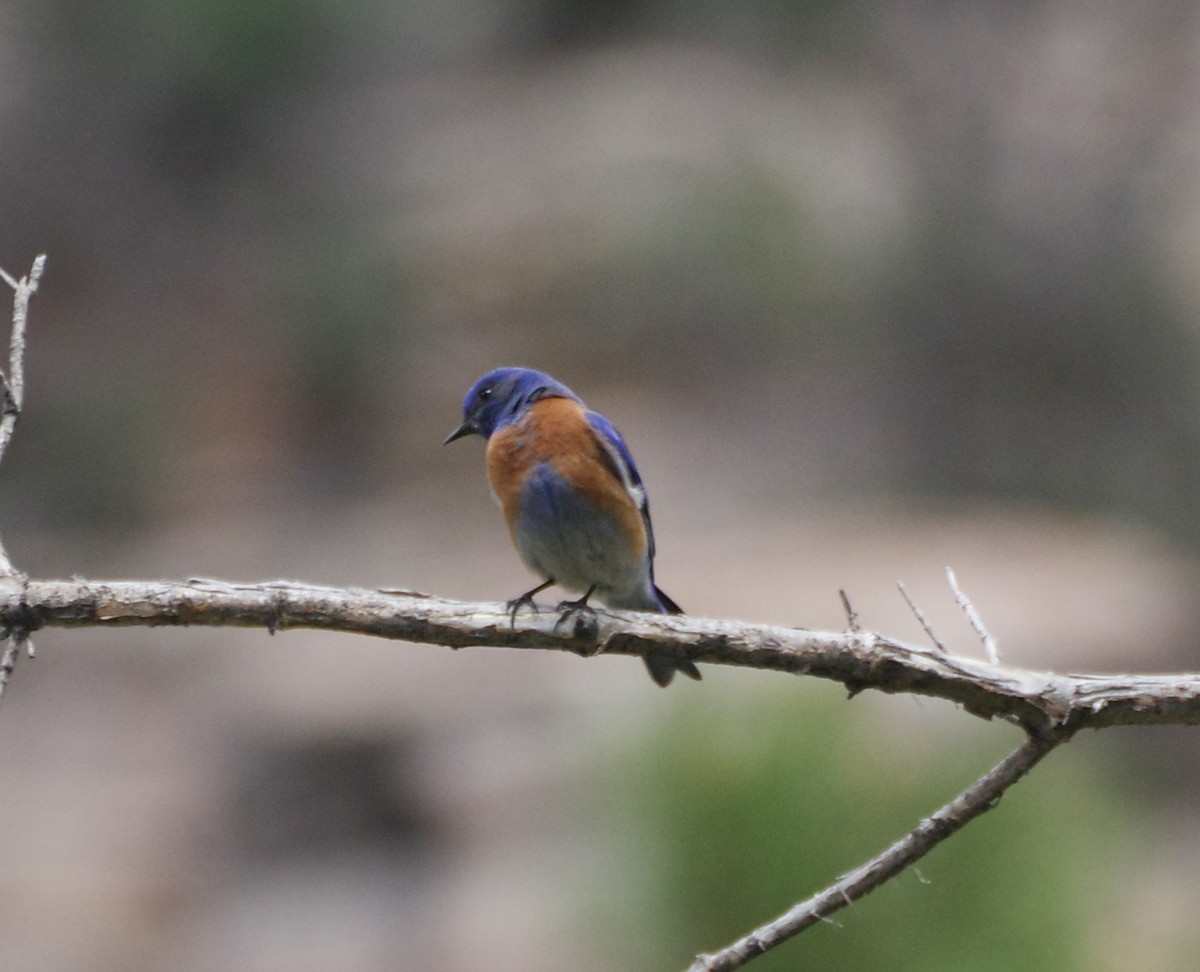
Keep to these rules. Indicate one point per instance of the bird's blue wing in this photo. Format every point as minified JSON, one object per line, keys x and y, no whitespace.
{"x":626,"y":470}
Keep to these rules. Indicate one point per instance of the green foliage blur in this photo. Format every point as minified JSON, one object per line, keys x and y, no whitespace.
{"x":752,"y":801}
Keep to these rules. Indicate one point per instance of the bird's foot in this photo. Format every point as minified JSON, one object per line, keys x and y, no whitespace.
{"x":515,"y":605}
{"x":584,"y":623}
{"x":523,"y":600}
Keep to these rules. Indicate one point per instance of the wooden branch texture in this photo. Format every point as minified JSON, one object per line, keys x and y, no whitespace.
{"x":1041,"y":702}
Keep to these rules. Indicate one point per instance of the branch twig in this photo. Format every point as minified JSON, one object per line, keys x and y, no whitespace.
{"x":14,"y":641}
{"x":12,"y":400}
{"x":978,"y":798}
{"x":920,"y":616}
{"x":964,"y":602}
{"x":12,"y":384}
{"x":851,"y":614}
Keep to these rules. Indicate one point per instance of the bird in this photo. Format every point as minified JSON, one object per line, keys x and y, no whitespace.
{"x":571,"y":495}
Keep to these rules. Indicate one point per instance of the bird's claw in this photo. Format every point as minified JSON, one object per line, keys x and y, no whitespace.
{"x":515,"y":605}
{"x":585,"y":624}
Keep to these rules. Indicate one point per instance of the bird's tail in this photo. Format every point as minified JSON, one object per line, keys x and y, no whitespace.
{"x":668,"y":606}
{"x":662,"y":668}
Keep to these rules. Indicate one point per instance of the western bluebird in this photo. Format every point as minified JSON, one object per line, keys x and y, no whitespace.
{"x":571,"y":495}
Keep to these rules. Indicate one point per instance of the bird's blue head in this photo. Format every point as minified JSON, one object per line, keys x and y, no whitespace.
{"x":501,"y":397}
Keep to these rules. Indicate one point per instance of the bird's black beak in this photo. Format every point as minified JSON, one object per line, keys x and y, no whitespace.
{"x":467,"y":428}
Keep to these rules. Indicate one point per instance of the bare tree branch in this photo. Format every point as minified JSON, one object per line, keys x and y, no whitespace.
{"x":978,"y":798}
{"x":12,"y":383}
{"x":1041,"y":702}
{"x":12,"y":390}
{"x":1050,"y":707}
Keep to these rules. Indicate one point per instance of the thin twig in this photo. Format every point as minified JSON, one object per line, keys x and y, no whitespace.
{"x":989,"y":643}
{"x":7,"y":570}
{"x":920,"y":617}
{"x":8,"y":661}
{"x":851,"y":616}
{"x":13,"y":383}
{"x":12,"y":390}
{"x":978,"y":798}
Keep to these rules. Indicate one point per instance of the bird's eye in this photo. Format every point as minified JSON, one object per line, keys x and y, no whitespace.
{"x":485,"y":394}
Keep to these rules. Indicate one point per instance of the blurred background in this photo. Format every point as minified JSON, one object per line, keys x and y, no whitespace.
{"x":869,"y":288}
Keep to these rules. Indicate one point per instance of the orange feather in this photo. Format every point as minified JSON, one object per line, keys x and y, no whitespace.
{"x":556,"y":431}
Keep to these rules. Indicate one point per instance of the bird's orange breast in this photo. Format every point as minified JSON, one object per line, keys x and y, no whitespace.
{"x":555,"y":431}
